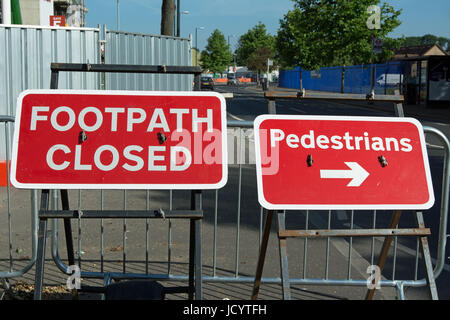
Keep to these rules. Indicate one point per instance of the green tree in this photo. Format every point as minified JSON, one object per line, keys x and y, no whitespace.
{"x":426,"y":39}
{"x":320,"y":33}
{"x":258,"y":59}
{"x":255,"y":38}
{"x":217,"y":54}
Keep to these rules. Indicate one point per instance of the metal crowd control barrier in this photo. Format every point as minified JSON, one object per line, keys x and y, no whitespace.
{"x":8,"y":122}
{"x":242,"y":131}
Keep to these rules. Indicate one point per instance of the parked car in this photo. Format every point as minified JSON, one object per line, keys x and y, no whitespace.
{"x":206,"y":83}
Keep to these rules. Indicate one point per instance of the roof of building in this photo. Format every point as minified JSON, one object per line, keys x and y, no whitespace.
{"x":415,"y":51}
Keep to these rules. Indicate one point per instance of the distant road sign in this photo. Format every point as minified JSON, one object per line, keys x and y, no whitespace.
{"x":377,"y":45}
{"x":58,"y":21}
{"x":71,"y":139}
{"x":331,"y":162}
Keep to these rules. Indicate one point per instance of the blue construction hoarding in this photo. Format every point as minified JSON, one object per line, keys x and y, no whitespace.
{"x":349,"y":79}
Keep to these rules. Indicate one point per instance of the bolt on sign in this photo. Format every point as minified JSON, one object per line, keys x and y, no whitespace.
{"x":331,"y":162}
{"x":71,"y":139}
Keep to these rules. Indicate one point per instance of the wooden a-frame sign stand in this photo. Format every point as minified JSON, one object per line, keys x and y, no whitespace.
{"x":389,"y":234}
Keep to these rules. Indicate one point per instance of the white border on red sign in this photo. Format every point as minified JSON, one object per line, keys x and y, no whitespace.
{"x":217,"y":185}
{"x":270,"y":206}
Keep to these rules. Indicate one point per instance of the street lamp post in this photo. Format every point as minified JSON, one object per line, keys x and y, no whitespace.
{"x":118,"y":19}
{"x":230,"y":36}
{"x":178,"y":18}
{"x":179,"y":23}
{"x":196,"y":44}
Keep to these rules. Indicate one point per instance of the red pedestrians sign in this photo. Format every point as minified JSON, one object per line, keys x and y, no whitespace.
{"x":70,"y":139}
{"x":330,"y":162}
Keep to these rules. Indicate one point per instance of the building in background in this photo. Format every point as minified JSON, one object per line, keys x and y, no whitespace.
{"x":419,"y":51}
{"x":70,"y":13}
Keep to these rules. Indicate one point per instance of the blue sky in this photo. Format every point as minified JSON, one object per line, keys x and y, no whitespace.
{"x":235,"y":17}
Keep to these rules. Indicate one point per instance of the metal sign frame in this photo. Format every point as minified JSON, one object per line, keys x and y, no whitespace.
{"x":194,"y":214}
{"x":283,"y":234}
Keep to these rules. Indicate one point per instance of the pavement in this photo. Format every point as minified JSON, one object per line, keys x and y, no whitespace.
{"x":125,"y":240}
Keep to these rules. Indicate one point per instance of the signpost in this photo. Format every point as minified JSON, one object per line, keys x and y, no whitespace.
{"x":331,"y":162}
{"x":70,"y":139}
{"x":109,"y":139}
{"x":377,"y":45}
{"x":358,"y":162}
{"x":59,"y":21}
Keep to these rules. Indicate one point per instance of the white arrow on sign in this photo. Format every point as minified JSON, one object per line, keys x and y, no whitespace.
{"x":356,"y":173}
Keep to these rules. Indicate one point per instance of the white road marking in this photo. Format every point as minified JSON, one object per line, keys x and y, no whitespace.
{"x":234,"y":117}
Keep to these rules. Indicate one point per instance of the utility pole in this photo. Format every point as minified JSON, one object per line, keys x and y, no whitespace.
{"x":167,"y":17}
{"x":196,"y":44}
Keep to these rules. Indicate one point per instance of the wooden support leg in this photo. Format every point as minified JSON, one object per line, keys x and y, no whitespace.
{"x":427,"y":259}
{"x":262,"y":255}
{"x":385,"y":249}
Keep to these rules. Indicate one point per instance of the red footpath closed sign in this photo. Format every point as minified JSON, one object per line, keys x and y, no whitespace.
{"x":330,"y":162}
{"x":69,"y":139}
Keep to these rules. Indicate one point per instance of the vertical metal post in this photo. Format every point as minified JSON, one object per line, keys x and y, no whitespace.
{"x":197,"y":82}
{"x":385,"y":249}
{"x":215,"y":234}
{"x":419,"y":91}
{"x":178,"y":18}
{"x":272,"y":109}
{"x":427,"y":259}
{"x":300,"y":76}
{"x":118,"y":16}
{"x":399,"y":110}
{"x":8,"y":188}
{"x":372,"y":73}
{"x":54,"y":79}
{"x":285,"y":284}
{"x":195,"y":251}
{"x":42,"y":235}
{"x":42,"y":241}
{"x":236,"y":270}
{"x":68,"y":228}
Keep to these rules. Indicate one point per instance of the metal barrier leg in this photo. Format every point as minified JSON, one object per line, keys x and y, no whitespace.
{"x":198,"y":259}
{"x":427,"y":259}
{"x":68,"y":228}
{"x":195,"y":256}
{"x":262,"y":255}
{"x":285,"y":283}
{"x":40,"y":261}
{"x":42,"y":241}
